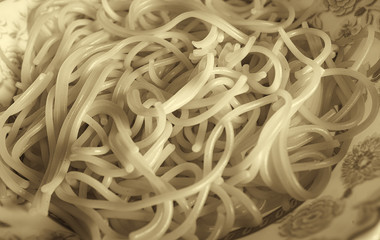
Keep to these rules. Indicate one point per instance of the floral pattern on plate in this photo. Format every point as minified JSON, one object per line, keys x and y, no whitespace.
{"x":311,"y":218}
{"x":348,"y":16}
{"x":340,"y":7}
{"x":362,"y":163}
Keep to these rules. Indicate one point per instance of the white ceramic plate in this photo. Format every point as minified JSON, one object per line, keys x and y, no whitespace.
{"x":349,"y":208}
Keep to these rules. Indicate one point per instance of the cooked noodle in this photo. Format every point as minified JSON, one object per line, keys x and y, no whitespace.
{"x":177,"y":119}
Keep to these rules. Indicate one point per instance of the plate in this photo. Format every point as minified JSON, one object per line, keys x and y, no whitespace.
{"x":349,"y":208}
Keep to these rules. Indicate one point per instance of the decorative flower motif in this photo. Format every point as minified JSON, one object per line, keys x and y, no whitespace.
{"x":362,"y":163}
{"x":311,"y":218}
{"x":340,"y":7}
{"x":349,"y":28}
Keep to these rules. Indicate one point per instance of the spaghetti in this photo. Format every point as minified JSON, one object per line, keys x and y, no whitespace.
{"x":177,"y":119}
